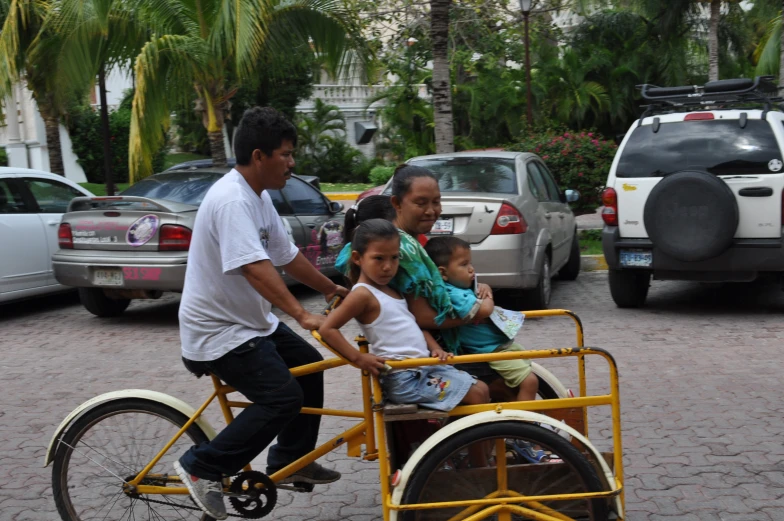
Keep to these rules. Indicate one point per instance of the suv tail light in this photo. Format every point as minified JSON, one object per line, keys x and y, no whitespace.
{"x":610,"y":210}
{"x":698,"y":116}
{"x":509,"y":221}
{"x":64,"y":237}
{"x":174,"y":238}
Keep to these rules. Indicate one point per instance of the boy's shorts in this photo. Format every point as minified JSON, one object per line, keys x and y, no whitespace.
{"x":440,"y":387}
{"x":512,"y":371}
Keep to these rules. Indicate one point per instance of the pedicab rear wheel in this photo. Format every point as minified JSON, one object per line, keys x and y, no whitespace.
{"x":436,"y":479}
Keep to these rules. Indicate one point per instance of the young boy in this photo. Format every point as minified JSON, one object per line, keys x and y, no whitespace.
{"x":491,"y":335}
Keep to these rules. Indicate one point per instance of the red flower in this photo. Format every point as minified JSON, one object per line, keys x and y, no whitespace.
{"x":579,"y":174}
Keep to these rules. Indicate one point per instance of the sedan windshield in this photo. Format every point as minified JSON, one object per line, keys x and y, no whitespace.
{"x":473,"y":174}
{"x":180,"y":187}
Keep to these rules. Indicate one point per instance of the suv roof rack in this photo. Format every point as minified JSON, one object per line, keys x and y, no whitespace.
{"x":725,"y":93}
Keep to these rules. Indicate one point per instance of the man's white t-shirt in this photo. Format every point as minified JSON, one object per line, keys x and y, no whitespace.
{"x":219,"y":309}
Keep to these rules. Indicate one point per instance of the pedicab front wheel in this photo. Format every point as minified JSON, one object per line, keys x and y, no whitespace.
{"x":536,"y":462}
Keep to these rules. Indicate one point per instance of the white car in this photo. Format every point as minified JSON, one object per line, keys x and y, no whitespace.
{"x":696,"y":190}
{"x":31,"y":205}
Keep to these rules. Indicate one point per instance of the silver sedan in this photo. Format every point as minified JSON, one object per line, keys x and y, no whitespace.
{"x":135,"y":245}
{"x":508,"y":206}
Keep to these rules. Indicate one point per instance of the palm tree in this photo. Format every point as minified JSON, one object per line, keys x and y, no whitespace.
{"x":206,"y":42}
{"x":22,"y":23}
{"x":770,"y":50}
{"x":318,"y":131}
{"x":96,"y":36}
{"x":570,"y":95}
{"x":442,"y":87}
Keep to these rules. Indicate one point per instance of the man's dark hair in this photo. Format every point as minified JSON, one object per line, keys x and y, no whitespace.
{"x":264,"y":128}
{"x":440,"y":249}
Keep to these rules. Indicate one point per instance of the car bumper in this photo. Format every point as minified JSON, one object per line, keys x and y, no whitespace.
{"x":163,"y":273}
{"x":506,"y":261}
{"x":743,"y":261}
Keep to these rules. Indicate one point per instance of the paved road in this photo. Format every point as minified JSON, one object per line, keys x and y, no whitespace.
{"x":700,"y":370}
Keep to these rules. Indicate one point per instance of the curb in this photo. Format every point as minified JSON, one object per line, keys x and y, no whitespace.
{"x":341,"y":196}
{"x":593,"y":263}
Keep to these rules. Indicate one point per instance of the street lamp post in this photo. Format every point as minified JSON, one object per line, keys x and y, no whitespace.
{"x":525,"y":7}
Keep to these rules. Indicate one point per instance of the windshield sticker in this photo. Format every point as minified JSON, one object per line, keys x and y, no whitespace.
{"x":142,"y":230}
{"x":774,"y":165}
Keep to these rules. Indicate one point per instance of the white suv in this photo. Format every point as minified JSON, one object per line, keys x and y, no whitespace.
{"x":696,"y":189}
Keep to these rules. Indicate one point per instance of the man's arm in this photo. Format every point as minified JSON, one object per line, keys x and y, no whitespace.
{"x":265,"y":279}
{"x":303,"y":271}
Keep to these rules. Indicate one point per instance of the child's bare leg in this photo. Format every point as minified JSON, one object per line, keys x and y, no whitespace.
{"x":478,"y":394}
{"x":478,"y":453}
{"x":528,"y":388}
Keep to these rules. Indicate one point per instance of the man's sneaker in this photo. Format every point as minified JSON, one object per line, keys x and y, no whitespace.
{"x":205,"y":493}
{"x":314,"y":474}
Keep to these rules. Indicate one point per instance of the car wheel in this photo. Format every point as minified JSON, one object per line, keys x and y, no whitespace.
{"x":96,"y":302}
{"x":572,"y":268}
{"x":539,"y":297}
{"x":629,"y":288}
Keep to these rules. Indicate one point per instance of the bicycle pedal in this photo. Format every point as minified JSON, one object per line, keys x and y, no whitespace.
{"x":297,"y":486}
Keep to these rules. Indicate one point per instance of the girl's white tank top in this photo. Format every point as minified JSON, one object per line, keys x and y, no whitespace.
{"x":394,"y":334}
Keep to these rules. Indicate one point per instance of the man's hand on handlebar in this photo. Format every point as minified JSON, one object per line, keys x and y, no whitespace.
{"x":367,"y":362}
{"x":338,"y":291}
{"x":311,"y":321}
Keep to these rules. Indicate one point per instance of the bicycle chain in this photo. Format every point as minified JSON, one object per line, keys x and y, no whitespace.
{"x":237,"y":481}
{"x":186,"y":507}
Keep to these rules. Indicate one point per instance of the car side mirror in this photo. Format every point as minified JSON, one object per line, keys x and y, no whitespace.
{"x":335,"y":207}
{"x":572,"y":196}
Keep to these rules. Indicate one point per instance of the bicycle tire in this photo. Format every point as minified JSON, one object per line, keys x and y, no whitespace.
{"x":72,"y":449}
{"x":453,"y":487}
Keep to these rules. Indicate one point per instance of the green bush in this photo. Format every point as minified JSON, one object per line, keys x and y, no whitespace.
{"x":335,"y":162}
{"x":3,"y":157}
{"x":379,"y":175}
{"x":578,"y":160}
{"x":84,"y":128}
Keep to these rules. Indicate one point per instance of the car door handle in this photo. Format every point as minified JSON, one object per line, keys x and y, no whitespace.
{"x":311,"y":225}
{"x":52,"y":223}
{"x":562,"y":215}
{"x":757,"y":191}
{"x":548,"y":216}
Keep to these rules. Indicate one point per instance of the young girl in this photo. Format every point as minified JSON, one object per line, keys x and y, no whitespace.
{"x":391,"y":329}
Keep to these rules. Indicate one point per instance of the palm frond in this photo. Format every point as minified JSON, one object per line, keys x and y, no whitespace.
{"x":165,"y":67}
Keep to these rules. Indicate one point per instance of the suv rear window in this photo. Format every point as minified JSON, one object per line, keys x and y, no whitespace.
{"x":720,"y":147}
{"x":473,"y":174}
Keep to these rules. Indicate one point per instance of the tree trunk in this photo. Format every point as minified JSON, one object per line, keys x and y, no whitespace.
{"x":52,"y":126}
{"x":713,"y":41}
{"x":442,"y":86}
{"x":105,"y":133}
{"x":781,"y":50}
{"x":217,"y":149}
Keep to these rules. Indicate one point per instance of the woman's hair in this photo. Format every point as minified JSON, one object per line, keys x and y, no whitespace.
{"x":373,"y":207}
{"x":367,"y":232}
{"x":404,"y":177}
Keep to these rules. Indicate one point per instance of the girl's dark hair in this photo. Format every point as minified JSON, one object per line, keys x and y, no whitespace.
{"x":404,"y":177}
{"x":373,"y":207}
{"x":367,"y":232}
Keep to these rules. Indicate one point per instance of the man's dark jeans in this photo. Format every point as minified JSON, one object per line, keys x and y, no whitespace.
{"x":259,"y":369}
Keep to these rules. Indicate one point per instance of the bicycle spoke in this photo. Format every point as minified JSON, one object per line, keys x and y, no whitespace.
{"x":110,"y":451}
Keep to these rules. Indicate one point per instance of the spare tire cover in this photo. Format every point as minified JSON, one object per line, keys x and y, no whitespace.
{"x":691,"y":215}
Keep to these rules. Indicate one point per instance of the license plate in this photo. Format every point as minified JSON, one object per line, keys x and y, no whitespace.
{"x":636,"y":258}
{"x":443,"y":227}
{"x":108,"y":277}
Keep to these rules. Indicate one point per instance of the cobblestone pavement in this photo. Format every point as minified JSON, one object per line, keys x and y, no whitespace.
{"x":700,"y":374}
